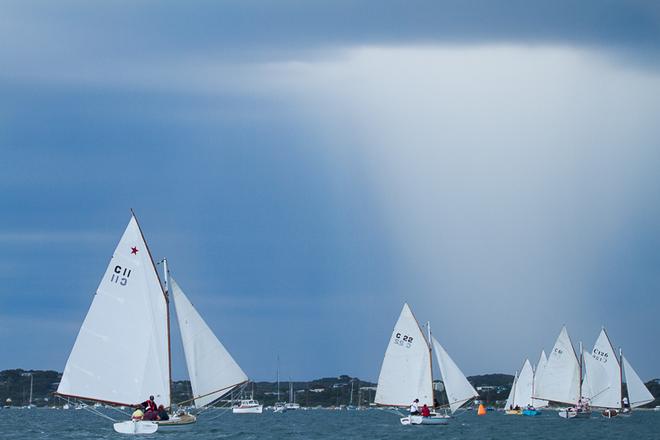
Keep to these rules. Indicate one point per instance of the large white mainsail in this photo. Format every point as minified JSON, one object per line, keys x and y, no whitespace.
{"x":638,"y":394}
{"x":121,"y":354}
{"x":212,"y":370}
{"x":458,"y":389}
{"x":602,"y":382}
{"x":540,"y":366}
{"x":406,"y":371}
{"x":560,"y":379}
{"x":524,"y":386}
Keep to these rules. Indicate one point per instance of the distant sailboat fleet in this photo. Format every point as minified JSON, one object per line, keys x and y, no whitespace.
{"x":122,"y":355}
{"x":590,"y":379}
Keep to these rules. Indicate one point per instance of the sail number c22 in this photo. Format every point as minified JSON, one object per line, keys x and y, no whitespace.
{"x":403,"y":340}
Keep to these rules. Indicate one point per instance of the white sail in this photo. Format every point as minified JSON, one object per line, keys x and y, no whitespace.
{"x":560,"y":379}
{"x":638,"y":394}
{"x":603,"y":385}
{"x":458,"y":389}
{"x":509,"y":400}
{"x":540,"y":366}
{"x":524,"y":385}
{"x":595,"y":382}
{"x":406,"y":371}
{"x":121,"y":354}
{"x":212,"y":370}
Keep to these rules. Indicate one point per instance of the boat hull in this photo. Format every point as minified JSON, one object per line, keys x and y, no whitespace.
{"x":513,"y":412}
{"x":419,"y":420}
{"x":531,"y":412}
{"x":571,"y":413}
{"x":177,"y":422}
{"x":248,"y":410}
{"x":609,"y":413}
{"x":135,"y":427}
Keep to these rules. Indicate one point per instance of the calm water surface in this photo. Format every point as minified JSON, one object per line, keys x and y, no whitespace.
{"x":334,"y":425}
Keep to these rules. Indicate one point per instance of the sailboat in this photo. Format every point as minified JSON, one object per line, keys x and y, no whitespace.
{"x":510,"y":407}
{"x":540,"y":366}
{"x":122,"y":352}
{"x":561,"y":378}
{"x":407,"y":372}
{"x":279,"y":406}
{"x":291,"y":405}
{"x":521,"y":400}
{"x":521,"y":392}
{"x":605,"y":378}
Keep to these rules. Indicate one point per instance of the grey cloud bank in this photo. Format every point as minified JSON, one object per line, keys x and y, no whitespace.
{"x":308,"y":168}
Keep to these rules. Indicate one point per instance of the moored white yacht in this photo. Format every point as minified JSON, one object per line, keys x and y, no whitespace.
{"x":249,"y":406}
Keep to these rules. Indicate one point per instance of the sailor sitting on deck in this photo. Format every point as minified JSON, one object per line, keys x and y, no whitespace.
{"x":138,"y":414}
{"x":426,"y":412}
{"x":162,"y":413}
{"x":414,"y":409}
{"x":150,"y":415}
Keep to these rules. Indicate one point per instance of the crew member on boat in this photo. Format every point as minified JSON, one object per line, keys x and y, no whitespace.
{"x":426,"y":412}
{"x":162,"y":413}
{"x":150,"y":415}
{"x":150,"y":404}
{"x":414,"y":409}
{"x":138,"y":414}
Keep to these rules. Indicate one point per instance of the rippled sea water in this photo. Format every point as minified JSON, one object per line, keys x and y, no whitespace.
{"x":334,"y":425}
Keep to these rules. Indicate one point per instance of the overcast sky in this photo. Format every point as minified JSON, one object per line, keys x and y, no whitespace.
{"x":309,"y":166}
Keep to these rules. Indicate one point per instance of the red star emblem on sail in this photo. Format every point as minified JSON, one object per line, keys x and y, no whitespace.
{"x":134,"y":250}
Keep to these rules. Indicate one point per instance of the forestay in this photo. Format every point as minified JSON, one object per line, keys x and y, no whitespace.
{"x":212,"y":370}
{"x":458,"y":389}
{"x":604,"y":384}
{"x":406,"y":371}
{"x":560,"y":379}
{"x":121,"y":353}
{"x":524,"y":385}
{"x":638,"y":394}
{"x":540,"y":366}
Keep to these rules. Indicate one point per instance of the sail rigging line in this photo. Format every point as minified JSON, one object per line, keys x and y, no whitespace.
{"x":167,"y":302}
{"x":227,"y":389}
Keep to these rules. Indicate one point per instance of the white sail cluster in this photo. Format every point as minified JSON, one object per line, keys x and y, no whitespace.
{"x":596,"y":377}
{"x":406,"y":373}
{"x":121,"y":354}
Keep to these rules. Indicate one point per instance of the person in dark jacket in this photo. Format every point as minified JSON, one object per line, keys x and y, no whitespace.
{"x":162,"y":413}
{"x":150,"y":404}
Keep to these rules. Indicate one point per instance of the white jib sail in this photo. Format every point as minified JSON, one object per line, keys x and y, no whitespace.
{"x":458,"y":389}
{"x":606,"y":383}
{"x":560,"y":379}
{"x":638,"y":394}
{"x":524,"y":385}
{"x":121,"y":353}
{"x":595,"y":381}
{"x":406,"y":371}
{"x":212,"y":370}
{"x":540,"y":366}
{"x":509,"y":400}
